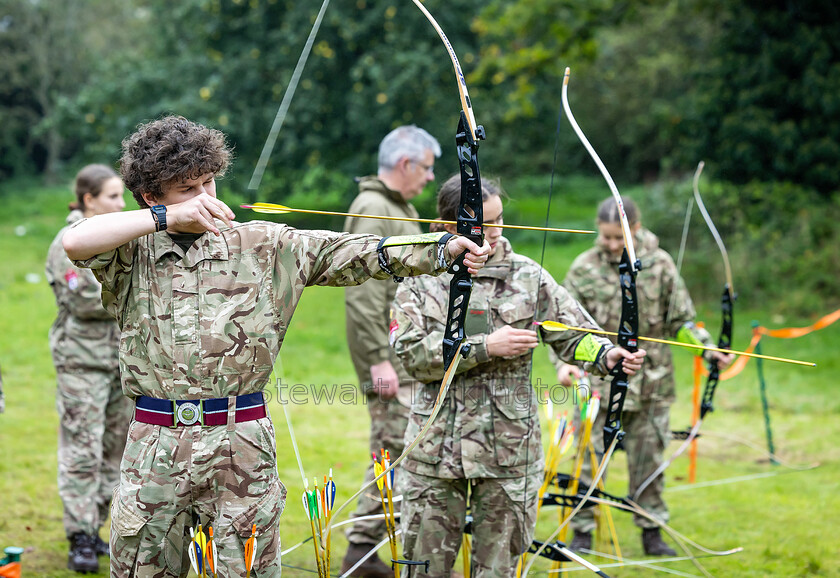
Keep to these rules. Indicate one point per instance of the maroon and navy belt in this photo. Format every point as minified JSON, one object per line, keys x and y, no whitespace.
{"x":183,"y":412}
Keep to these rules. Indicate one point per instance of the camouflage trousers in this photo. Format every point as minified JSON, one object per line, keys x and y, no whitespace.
{"x":388,"y":421}
{"x":503,"y":523}
{"x":647,"y":435}
{"x":93,"y":415}
{"x":173,"y":478}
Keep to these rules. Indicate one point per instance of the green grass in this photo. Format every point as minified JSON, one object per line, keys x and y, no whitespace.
{"x":785,"y":523}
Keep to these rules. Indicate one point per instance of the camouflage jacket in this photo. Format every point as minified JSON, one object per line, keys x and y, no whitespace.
{"x":368,"y":305}
{"x":593,"y":280}
{"x":210,"y":323}
{"x":83,"y":336}
{"x":489,"y":425}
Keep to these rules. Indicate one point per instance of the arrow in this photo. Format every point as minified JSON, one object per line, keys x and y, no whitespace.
{"x":282,"y":209}
{"x":558,"y":326}
{"x":194,"y":561}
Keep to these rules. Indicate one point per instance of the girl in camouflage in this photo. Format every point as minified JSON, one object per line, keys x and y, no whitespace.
{"x":483,"y":456}
{"x":665,"y":310}
{"x":92,"y":410}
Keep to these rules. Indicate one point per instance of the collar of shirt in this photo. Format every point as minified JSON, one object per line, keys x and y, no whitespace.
{"x":208,"y":246}
{"x":375,"y":185}
{"x":498,"y":266}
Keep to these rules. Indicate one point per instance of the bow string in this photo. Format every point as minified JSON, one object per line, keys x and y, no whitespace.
{"x":727,"y":302}
{"x":628,"y":330}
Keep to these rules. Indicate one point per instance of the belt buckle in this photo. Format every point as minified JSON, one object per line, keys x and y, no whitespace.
{"x":187,"y":413}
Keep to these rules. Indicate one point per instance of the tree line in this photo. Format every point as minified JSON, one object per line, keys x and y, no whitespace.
{"x":748,"y":85}
{"x":752,"y":87}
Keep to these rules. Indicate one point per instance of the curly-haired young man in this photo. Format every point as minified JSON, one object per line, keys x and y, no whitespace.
{"x":203,"y":303}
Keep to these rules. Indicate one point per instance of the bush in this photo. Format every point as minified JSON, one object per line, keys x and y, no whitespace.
{"x":782,"y":241}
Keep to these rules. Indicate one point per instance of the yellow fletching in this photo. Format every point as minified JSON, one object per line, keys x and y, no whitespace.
{"x":554,"y":326}
{"x":377,"y":470}
{"x":268,"y":208}
{"x":201,"y":538}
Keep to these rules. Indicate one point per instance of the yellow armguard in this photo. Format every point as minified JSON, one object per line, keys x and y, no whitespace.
{"x":588,"y":349}
{"x":686,"y":335}
{"x":424,"y":239}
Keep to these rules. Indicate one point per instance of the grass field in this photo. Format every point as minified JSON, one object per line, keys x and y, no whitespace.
{"x":785,"y":522}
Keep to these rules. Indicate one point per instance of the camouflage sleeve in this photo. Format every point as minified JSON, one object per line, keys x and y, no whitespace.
{"x":586,"y":350}
{"x":342,"y":259}
{"x":113,"y":270}
{"x":418,"y":321}
{"x":77,"y":290}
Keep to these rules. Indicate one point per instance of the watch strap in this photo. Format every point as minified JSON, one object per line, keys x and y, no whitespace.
{"x":159,"y":215}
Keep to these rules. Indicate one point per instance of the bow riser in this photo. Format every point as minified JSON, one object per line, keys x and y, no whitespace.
{"x":724,"y":342}
{"x":628,"y":331}
{"x":469,"y":224}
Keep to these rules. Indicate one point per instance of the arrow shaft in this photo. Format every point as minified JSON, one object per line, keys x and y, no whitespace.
{"x":689,"y":346}
{"x":268,"y":209}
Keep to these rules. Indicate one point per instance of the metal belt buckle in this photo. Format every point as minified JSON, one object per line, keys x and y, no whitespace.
{"x":187,"y":413}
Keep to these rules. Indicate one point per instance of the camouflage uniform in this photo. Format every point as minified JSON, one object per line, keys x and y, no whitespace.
{"x":593,"y":280}
{"x":487,"y":436}
{"x":368,"y":313}
{"x":93,"y":412}
{"x":209,"y":323}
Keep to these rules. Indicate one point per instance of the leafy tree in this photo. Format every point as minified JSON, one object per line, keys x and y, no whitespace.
{"x":48,"y":49}
{"x":227,"y":64}
{"x":767,"y":104}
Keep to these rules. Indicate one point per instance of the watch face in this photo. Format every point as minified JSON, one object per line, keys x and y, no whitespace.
{"x":159,"y":212}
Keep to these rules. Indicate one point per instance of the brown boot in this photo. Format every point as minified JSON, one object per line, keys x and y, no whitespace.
{"x":373,"y":567}
{"x":654,"y":544}
{"x":581,"y":541}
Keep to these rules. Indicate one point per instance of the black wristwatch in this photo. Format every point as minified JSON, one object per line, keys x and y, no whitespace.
{"x":159,"y":215}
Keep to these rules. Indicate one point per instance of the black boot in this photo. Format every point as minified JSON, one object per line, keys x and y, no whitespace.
{"x":100,"y":546}
{"x":654,"y":544}
{"x":581,"y":541}
{"x":82,"y":556}
{"x":373,"y":567}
